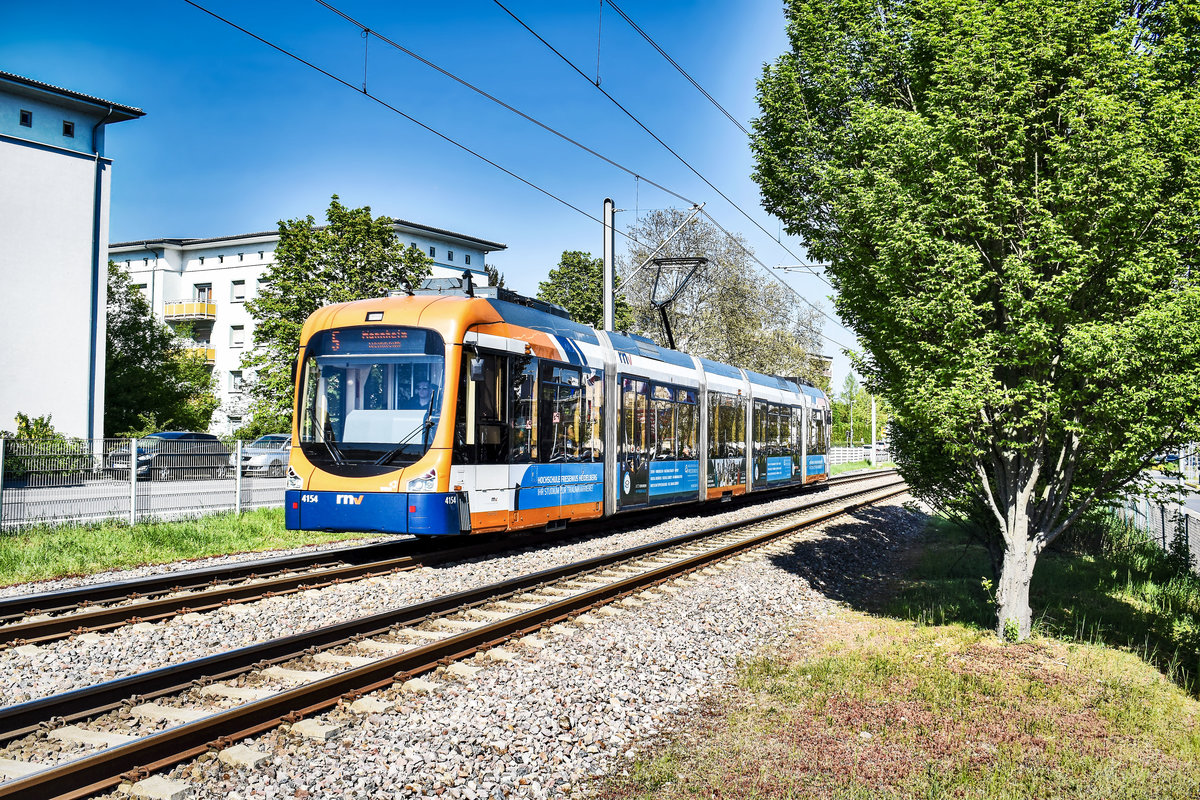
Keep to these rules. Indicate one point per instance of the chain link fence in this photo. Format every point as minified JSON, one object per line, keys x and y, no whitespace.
{"x":61,"y":481}
{"x":1171,"y":526}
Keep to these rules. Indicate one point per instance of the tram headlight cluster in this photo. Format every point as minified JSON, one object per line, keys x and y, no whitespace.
{"x":424,"y":483}
{"x":294,"y":481}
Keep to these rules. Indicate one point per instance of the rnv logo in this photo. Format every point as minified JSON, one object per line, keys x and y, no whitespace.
{"x":349,"y":500}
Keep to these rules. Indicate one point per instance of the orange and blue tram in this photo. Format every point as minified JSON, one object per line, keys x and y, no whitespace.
{"x":458,"y":409}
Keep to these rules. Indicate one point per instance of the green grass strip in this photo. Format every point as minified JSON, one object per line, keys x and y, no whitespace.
{"x":44,"y":553}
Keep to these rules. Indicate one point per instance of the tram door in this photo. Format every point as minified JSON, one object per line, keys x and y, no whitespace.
{"x":482,"y":435}
{"x":633,"y":458}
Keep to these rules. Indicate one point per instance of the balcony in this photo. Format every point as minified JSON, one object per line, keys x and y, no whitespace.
{"x":209,"y":354}
{"x":189,"y":310}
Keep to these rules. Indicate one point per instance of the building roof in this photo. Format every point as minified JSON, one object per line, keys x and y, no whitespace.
{"x":183,"y":242}
{"x":28,"y":86}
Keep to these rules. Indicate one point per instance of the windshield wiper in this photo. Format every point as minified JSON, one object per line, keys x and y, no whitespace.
{"x":388,"y":456}
{"x":334,"y":452}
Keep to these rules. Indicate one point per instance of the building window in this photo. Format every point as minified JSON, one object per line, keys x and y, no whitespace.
{"x":449,"y":255}
{"x":203,"y":292}
{"x":68,"y":129}
{"x":237,"y":336}
{"x":26,"y":119}
{"x":127,"y":263}
{"x":241,"y":256}
{"x":432,"y":251}
{"x":237,"y":291}
{"x":145,"y":262}
{"x":141,"y":287}
{"x":235,"y":380}
{"x":201,"y":259}
{"x":220,"y":259}
{"x":235,"y":422}
{"x":260,"y":253}
{"x":467,"y":259}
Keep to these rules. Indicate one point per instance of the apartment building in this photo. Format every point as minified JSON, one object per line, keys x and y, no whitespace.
{"x":205,"y":283}
{"x":53,"y":238}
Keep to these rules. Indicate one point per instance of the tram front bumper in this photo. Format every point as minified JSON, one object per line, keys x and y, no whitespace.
{"x":419,"y":513}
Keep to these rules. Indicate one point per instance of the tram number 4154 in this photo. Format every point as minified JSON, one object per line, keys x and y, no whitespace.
{"x":308,"y":498}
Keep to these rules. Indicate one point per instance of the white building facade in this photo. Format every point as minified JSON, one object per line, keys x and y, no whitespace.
{"x":205,"y":283}
{"x":53,"y":243}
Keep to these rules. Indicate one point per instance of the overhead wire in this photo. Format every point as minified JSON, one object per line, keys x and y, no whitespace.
{"x":435,"y":132}
{"x":656,"y":138}
{"x":549,"y":129}
{"x":675,"y":64}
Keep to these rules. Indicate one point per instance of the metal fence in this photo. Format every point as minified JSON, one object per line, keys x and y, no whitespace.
{"x":59,"y":481}
{"x":1169,"y":525}
{"x":847,"y":455}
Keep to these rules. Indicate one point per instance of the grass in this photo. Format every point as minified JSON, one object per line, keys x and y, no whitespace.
{"x":916,"y":697}
{"x":864,"y":464}
{"x":43,"y":553}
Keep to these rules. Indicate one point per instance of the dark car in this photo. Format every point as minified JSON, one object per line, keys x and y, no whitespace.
{"x":175,"y":454}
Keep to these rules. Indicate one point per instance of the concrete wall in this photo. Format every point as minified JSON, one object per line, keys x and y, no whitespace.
{"x":47,"y":267}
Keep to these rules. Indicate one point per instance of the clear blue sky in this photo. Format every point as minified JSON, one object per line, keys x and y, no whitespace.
{"x":237,"y":136}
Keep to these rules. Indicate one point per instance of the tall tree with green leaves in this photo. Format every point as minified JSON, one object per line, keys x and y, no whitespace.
{"x":352,"y":257}
{"x":149,"y":371}
{"x":1007,"y":194}
{"x":577,"y":284}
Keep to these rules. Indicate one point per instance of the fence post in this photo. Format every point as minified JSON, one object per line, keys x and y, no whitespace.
{"x":3,"y":444}
{"x":237,"y":478}
{"x":133,"y":481}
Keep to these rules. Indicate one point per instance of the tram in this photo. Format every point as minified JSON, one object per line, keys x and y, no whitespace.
{"x":457,"y":409}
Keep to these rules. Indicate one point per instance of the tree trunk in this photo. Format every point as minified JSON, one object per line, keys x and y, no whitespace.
{"x":1014,"y":618}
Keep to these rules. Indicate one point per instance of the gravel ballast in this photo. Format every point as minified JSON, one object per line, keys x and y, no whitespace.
{"x":576,"y":704}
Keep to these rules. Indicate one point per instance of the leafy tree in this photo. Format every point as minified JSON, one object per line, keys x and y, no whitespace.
{"x":353,"y":257}
{"x":1007,"y":194}
{"x":729,"y":311}
{"x":150,"y":373}
{"x":854,"y":399}
{"x":577,"y":284}
{"x":494,"y":276}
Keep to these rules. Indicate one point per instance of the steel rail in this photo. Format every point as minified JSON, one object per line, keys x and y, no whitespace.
{"x":105,"y":769}
{"x":25,"y":718}
{"x":203,"y":593}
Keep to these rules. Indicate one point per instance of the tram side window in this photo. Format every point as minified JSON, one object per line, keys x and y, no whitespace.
{"x":688,"y":424}
{"x":714,"y":425}
{"x":593,"y":416}
{"x":560,"y":423}
{"x":481,"y":419}
{"x":760,"y":429}
{"x":726,"y":426}
{"x":662,"y":432}
{"x":634,"y":403}
{"x":785,"y":431}
{"x":522,"y":398}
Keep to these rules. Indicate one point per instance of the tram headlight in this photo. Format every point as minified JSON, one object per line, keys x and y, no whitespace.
{"x":294,"y":481}
{"x":424,"y":483}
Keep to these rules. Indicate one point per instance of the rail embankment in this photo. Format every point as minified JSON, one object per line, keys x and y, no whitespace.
{"x":906,"y":692}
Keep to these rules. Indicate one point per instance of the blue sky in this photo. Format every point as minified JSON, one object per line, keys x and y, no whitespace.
{"x":237,"y":136}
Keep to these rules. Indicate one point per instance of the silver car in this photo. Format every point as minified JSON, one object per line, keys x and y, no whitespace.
{"x":267,"y":455}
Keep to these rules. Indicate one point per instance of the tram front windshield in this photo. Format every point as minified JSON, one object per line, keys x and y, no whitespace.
{"x":370,"y":396}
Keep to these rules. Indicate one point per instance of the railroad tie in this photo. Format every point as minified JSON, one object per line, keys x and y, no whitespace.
{"x":240,"y":693}
{"x":10,"y":769}
{"x":73,"y":734}
{"x":293,"y":676}
{"x":338,"y":659}
{"x":156,"y":787}
{"x":154,"y":712}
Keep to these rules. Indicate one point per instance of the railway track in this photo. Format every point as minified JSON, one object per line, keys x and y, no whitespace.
{"x":153,"y":720}
{"x":49,"y":616}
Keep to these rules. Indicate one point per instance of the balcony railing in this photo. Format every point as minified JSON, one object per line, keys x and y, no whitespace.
{"x":209,"y":354}
{"x":181,"y":310}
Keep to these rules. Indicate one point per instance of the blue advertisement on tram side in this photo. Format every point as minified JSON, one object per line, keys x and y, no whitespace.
{"x":546,"y":485}
{"x":816,"y":466}
{"x":779,"y":468}
{"x":674,"y":477}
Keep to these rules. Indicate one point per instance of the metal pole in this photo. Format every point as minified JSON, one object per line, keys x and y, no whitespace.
{"x":3,"y":445}
{"x":133,"y":481}
{"x":609,"y":267}
{"x":874,"y":455}
{"x":237,"y":477}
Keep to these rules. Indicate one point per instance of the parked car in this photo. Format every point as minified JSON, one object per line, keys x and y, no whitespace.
{"x":175,"y":454}
{"x":267,"y":455}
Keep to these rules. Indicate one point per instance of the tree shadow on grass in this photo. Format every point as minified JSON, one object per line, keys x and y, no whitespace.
{"x":903,"y":564}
